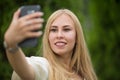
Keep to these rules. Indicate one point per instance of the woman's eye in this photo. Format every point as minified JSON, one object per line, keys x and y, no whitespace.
{"x":53,"y":30}
{"x":67,"y":29}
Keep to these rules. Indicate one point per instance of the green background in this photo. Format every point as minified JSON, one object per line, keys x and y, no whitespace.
{"x":100,"y":20}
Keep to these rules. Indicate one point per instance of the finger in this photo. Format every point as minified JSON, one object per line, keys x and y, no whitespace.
{"x":35,"y":21}
{"x":33,"y":15}
{"x":34,"y":34}
{"x":16,"y":14}
{"x":33,"y":27}
{"x":31,"y":22}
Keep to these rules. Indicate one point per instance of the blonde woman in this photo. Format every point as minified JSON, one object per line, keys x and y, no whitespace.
{"x":65,"y":55}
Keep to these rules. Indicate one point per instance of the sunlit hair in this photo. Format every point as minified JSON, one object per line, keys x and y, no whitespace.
{"x":80,"y":60}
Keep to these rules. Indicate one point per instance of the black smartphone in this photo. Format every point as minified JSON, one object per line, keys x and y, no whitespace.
{"x":25,"y":10}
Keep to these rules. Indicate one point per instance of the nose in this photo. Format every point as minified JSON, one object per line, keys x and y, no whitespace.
{"x":60,"y":34}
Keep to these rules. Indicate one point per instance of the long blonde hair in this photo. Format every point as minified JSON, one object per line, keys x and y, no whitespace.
{"x":80,"y":59}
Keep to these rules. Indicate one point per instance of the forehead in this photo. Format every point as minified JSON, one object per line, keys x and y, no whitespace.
{"x":63,"y":19}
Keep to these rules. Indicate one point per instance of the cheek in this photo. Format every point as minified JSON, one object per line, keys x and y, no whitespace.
{"x":51,"y":39}
{"x":71,"y":40}
{"x":71,"y":37}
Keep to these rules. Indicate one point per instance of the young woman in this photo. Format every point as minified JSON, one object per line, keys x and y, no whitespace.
{"x":65,"y":55}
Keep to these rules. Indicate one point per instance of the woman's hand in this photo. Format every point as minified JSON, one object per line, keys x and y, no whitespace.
{"x":23,"y":27}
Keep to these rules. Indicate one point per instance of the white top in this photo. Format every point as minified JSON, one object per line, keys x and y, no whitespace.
{"x":40,"y":66}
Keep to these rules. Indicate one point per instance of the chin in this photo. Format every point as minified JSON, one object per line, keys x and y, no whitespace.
{"x":60,"y":53}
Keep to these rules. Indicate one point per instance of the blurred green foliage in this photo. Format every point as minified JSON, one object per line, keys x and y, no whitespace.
{"x":100,"y":20}
{"x":104,"y":40}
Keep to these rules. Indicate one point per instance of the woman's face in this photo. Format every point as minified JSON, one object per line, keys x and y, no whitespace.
{"x":62,"y":36}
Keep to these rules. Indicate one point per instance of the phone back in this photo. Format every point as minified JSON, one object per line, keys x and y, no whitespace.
{"x":30,"y":42}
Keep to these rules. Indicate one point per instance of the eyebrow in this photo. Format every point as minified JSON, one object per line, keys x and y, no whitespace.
{"x":65,"y":26}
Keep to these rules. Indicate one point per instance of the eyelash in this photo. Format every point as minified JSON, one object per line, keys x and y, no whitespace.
{"x":67,"y":29}
{"x":54,"y":30}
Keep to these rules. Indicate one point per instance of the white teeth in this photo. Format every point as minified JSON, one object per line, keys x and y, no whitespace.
{"x":60,"y":44}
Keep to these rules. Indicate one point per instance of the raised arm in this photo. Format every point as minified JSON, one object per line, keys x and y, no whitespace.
{"x":20,"y":29}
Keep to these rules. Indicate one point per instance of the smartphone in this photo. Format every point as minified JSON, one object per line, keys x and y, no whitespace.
{"x":25,"y":10}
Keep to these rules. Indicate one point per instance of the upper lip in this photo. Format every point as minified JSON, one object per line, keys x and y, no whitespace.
{"x":60,"y":42}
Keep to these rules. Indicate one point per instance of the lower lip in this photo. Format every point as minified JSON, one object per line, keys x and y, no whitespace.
{"x":60,"y":45}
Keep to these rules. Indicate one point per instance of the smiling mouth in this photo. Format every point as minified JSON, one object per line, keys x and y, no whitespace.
{"x":60,"y":44}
